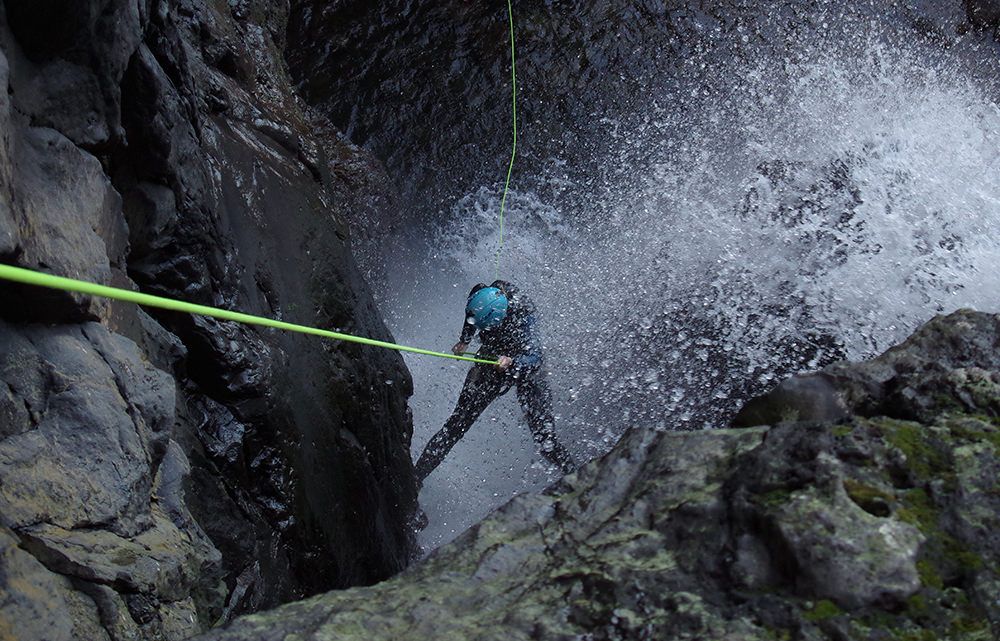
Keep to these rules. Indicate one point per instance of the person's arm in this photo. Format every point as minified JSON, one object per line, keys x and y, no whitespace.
{"x":468,"y":331}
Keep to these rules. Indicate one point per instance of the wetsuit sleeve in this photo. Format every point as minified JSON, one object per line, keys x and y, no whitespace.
{"x":468,"y":331}
{"x":531,"y":345}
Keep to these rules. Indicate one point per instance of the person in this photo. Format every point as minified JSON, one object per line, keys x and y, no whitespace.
{"x":508,"y":331}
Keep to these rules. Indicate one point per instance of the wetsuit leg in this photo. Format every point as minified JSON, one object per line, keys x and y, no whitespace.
{"x":482,"y":386}
{"x":536,"y":400}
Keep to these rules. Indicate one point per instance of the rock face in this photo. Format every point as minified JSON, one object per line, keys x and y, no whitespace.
{"x":160,"y":472}
{"x":984,"y":13}
{"x":426,"y":85}
{"x":856,"y":526}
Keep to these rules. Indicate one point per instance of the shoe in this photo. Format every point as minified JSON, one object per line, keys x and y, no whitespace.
{"x":419,"y":520}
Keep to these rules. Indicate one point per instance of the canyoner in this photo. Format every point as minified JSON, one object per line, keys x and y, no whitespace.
{"x":506,"y":321}
{"x":507,"y":324}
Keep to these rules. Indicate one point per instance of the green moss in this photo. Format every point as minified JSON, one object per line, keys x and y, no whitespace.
{"x":970,"y":625}
{"x":967,"y":561}
{"x":945,"y":402}
{"x":821,"y":611}
{"x":976,"y":429}
{"x":929,"y":576}
{"x":919,"y":510}
{"x":917,"y":607}
{"x":842,"y":430}
{"x":984,"y":392}
{"x":915,"y":635}
{"x":789,"y":414}
{"x":870,"y":499}
{"x":942,"y":556}
{"x":774,"y":498}
{"x":926,"y":459}
{"x":930,"y":614}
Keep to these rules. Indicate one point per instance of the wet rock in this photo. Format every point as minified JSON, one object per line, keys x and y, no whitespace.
{"x":354,"y":61}
{"x":159,"y":146}
{"x":81,"y":475}
{"x":984,"y":13}
{"x":9,"y":236}
{"x":72,"y":58}
{"x":34,"y":604}
{"x":113,"y":613}
{"x":855,"y":528}
{"x":154,"y":562}
{"x":74,"y":230}
{"x":97,"y":416}
{"x":951,"y":363}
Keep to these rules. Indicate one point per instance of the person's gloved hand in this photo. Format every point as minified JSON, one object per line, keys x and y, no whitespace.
{"x":504,"y":363}
{"x":459,"y":348}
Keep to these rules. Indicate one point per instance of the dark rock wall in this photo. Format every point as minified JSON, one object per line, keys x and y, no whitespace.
{"x":159,"y":471}
{"x":426,"y":85}
{"x":858,"y":527}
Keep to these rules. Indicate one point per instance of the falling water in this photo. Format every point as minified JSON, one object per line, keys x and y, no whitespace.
{"x":752,"y":220}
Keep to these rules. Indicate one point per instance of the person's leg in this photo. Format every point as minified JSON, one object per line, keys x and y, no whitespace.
{"x":482,"y":387}
{"x":536,"y":399}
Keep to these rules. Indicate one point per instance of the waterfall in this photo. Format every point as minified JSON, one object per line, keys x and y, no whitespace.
{"x":748,"y":218}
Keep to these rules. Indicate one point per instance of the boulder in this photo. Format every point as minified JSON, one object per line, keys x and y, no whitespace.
{"x":950,"y":363}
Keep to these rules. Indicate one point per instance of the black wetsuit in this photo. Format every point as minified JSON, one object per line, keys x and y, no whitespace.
{"x":516,"y":337}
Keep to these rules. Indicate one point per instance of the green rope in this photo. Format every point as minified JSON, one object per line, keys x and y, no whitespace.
{"x":476,"y":354}
{"x":29,"y":277}
{"x":513,"y":153}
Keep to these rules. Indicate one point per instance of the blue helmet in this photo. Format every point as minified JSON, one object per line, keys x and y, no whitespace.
{"x":487,"y":308}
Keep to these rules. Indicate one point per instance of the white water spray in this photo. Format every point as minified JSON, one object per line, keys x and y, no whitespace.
{"x":812,"y":210}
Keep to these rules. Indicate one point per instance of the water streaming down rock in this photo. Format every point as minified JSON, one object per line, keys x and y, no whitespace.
{"x":773,"y":193}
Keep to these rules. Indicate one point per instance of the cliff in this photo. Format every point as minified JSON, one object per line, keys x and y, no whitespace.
{"x":159,"y":472}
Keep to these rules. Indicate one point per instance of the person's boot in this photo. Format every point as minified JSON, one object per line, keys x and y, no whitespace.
{"x":419,"y":520}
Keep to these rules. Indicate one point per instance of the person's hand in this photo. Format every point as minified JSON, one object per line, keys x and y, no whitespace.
{"x":504,"y":363}
{"x":459,"y":348}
